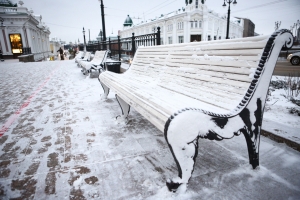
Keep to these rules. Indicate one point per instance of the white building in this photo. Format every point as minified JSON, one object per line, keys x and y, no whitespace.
{"x":195,"y":22}
{"x":21,"y":28}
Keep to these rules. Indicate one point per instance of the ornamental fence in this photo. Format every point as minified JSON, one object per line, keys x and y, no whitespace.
{"x":127,"y":45}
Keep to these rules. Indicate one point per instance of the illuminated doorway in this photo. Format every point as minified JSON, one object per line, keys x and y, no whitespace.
{"x":16,"y":44}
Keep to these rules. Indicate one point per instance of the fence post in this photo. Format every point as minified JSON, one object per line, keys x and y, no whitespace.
{"x":133,"y":44}
{"x":109,"y":46}
{"x":119,"y":48}
{"x":158,"y":36}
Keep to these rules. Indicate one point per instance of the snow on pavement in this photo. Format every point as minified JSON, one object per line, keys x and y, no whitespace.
{"x":64,"y":143}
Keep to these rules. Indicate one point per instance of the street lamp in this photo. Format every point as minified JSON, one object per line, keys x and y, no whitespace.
{"x":297,"y":32}
{"x":277,"y":25}
{"x":84,"y":45}
{"x":228,"y":14}
{"x":292,"y":28}
{"x":103,"y":20}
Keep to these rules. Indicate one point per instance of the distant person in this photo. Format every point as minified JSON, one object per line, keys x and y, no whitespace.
{"x":1,"y":56}
{"x":61,"y":53}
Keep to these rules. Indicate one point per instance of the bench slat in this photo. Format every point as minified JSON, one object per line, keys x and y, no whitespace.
{"x":208,"y":52}
{"x":232,"y":70}
{"x":202,"y":43}
{"x":228,"y":46}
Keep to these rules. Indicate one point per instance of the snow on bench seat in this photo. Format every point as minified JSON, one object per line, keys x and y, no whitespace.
{"x":86,"y":57}
{"x":211,"y":89}
{"x":96,"y":64}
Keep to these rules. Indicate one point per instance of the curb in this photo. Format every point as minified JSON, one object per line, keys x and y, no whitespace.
{"x":280,"y":139}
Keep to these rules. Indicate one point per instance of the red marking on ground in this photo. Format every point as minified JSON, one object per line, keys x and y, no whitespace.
{"x":12,"y":118}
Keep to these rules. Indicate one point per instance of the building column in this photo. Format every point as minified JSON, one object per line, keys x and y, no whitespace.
{"x":205,"y":28}
{"x":165,"y":33}
{"x":187,"y":31}
{"x":28,"y":31}
{"x":25,"y":37}
{"x":34,"y":38}
{"x":174,"y":40}
{"x":5,"y":44}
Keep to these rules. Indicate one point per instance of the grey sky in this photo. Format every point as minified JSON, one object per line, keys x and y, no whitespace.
{"x":67,"y":17}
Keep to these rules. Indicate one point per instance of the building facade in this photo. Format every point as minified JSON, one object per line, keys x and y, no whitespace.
{"x":249,"y":27}
{"x":195,"y":22}
{"x":20,"y":28}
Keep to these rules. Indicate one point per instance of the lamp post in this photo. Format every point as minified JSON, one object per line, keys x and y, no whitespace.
{"x":297,"y":32}
{"x":228,"y":14}
{"x":292,"y":28}
{"x":84,"y":45}
{"x":103,"y":20}
{"x":1,"y":20}
{"x":277,"y":25}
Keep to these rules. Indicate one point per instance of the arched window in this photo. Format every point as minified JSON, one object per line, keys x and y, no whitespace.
{"x":180,"y":25}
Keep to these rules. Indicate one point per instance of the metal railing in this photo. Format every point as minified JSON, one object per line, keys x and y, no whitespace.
{"x":26,"y":50}
{"x":125,"y":45}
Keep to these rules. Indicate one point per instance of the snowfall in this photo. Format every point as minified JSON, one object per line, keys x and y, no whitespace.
{"x":59,"y":140}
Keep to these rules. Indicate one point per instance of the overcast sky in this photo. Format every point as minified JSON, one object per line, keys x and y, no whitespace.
{"x":67,"y":17}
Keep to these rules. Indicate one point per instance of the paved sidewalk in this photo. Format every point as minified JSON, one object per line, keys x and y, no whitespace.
{"x":60,"y":141}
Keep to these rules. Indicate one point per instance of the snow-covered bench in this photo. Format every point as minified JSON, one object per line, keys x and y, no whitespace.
{"x":86,"y":57}
{"x":211,"y":89}
{"x":95,"y":65}
{"x":79,"y":55}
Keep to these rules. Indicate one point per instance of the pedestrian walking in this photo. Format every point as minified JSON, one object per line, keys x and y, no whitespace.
{"x":1,"y":56}
{"x":61,"y":53}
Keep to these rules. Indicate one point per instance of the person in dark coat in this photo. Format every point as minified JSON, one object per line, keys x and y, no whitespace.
{"x":61,"y":52}
{"x":1,"y":56}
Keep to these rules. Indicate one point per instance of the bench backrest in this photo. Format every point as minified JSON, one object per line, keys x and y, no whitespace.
{"x":99,"y":58}
{"x":87,"y":56}
{"x":79,"y":55}
{"x":223,"y":70}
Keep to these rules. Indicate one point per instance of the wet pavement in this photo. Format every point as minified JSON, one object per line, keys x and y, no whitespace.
{"x":60,"y":141}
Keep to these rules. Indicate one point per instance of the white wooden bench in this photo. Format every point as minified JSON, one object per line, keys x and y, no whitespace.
{"x":95,"y":65}
{"x":86,"y":57}
{"x":210,"y":89}
{"x":79,"y":55}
